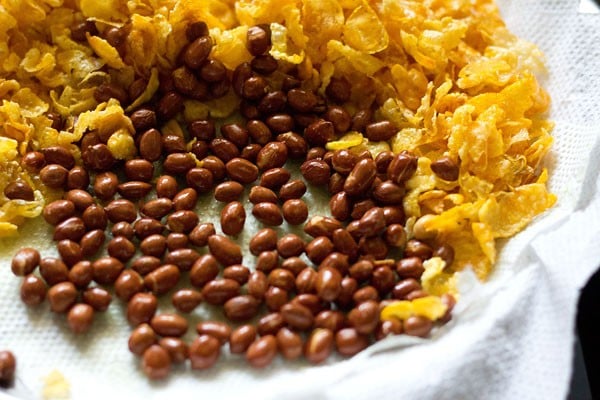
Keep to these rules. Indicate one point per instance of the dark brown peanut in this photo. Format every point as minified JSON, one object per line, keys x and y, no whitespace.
{"x":121,"y":210}
{"x":166,"y":186}
{"x":97,"y":297}
{"x":224,"y":250}
{"x":219,"y":330}
{"x":178,"y":163}
{"x":410,"y":267}
{"x":337,"y":261}
{"x":218,"y":291}
{"x":306,"y":281}
{"x":295,"y":211}
{"x":257,"y":284}
{"x":446,"y":253}
{"x":141,"y":338}
{"x":270,"y":324}
{"x":156,"y":362}
{"x":134,"y":190}
{"x":177,"y":241}
{"x":241,"y":338}
{"x":345,"y":243}
{"x":197,"y":52}
{"x":70,"y":252}
{"x":402,"y":167}
{"x":200,"y":234}
{"x":228,"y":191}
{"x":340,"y":206}
{"x":215,"y":166}
{"x":339,"y":117}
{"x":259,"y":131}
{"x":328,"y":283}
{"x":241,"y":308}
{"x":272,"y":155}
{"x":267,"y":261}
{"x":395,"y":236}
{"x":318,"y":249}
{"x":19,"y":190}
{"x":202,"y":129}
{"x":233,"y":217}
{"x":294,"y":265}
{"x":261,"y":194}
{"x":183,"y":259}
{"x":182,"y":221}
{"x":53,"y":270}
{"x":145,"y":264}
{"x":272,"y":103}
{"x":268,"y":213}
{"x":33,"y":161}
{"x":173,"y":143}
{"x":145,"y":227}
{"x":236,"y":134}
{"x":365,"y":293}
{"x":364,"y":317}
{"x":349,"y":342}
{"x":81,"y":274}
{"x":261,"y":352}
{"x":417,"y":325}
{"x":258,"y":40}
{"x":143,"y":119}
{"x":105,"y":185}
{"x":177,"y":349}
{"x":444,"y":167}
{"x":289,"y":343}
{"x":339,"y":90}
{"x":54,"y":176}
{"x":336,"y":183}
{"x":204,"y":270}
{"x":264,"y":240}
{"x":25,"y":261}
{"x":275,"y":298}
{"x":91,"y":242}
{"x":349,"y":286}
{"x":281,"y":278}
{"x":383,"y":161}
{"x":393,"y":215}
{"x":128,"y":284}
{"x":241,"y":170}
{"x":362,"y":270}
{"x":372,"y":222}
{"x":238,"y":273}
{"x":224,"y":149}
{"x":162,"y":279}
{"x":294,"y":189}
{"x":361,"y":177}
{"x":204,"y":352}
{"x":373,"y":246}
{"x":121,"y":248}
{"x":388,"y":193}
{"x":98,"y":157}
{"x":169,"y":325}
{"x":380,"y":131}
{"x":72,"y":228}
{"x":186,"y":300}
{"x":322,"y":226}
{"x":316,"y":171}
{"x":389,"y":327}
{"x":80,"y":318}
{"x":200,"y":179}
{"x":296,"y":144}
{"x":141,"y":308}
{"x":254,"y":88}
{"x":33,"y":291}
{"x":343,"y":161}
{"x":62,"y":296}
{"x":8,"y":365}
{"x":301,"y":100}
{"x":94,"y":217}
{"x":319,"y":133}
{"x":80,"y":199}
{"x":328,"y":319}
{"x":311,"y":301}
{"x":416,"y":248}
{"x":405,"y":286}
{"x":157,"y":208}
{"x":290,"y":245}
{"x":106,"y":270}
{"x":274,"y":178}
{"x":297,"y":316}
{"x":318,"y":345}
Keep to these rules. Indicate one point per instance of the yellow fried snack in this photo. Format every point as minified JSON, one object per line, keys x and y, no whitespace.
{"x":455,"y":83}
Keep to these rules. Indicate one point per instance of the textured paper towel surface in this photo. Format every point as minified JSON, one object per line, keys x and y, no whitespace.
{"x":511,"y":338}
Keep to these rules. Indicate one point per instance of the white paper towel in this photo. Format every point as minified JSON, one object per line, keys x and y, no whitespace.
{"x":511,"y":338}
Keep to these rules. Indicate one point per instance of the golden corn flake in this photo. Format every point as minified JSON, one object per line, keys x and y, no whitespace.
{"x":430,"y":307}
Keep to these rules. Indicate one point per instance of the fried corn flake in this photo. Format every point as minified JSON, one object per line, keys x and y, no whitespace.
{"x":448,"y":74}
